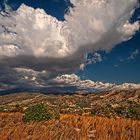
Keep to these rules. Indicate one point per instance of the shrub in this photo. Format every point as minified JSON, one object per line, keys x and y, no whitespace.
{"x":1,"y":109}
{"x":93,"y":112}
{"x":17,"y":108}
{"x":133,"y":111}
{"x":55,"y":115}
{"x":82,"y":104}
{"x":38,"y":112}
{"x":119,"y":110}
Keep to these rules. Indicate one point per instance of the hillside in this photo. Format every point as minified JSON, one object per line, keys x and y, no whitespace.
{"x":124,"y":103}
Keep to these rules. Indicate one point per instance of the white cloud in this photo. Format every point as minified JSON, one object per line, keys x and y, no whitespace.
{"x":92,"y":58}
{"x":32,"y":39}
{"x":128,"y":29}
{"x":82,"y":66}
{"x":133,"y":54}
{"x":95,"y":58}
{"x":90,"y":85}
{"x":74,"y":80}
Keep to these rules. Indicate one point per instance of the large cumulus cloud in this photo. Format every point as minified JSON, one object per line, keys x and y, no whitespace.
{"x":32,"y":40}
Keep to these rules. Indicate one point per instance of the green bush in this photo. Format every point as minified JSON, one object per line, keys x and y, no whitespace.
{"x":93,"y":112}
{"x":55,"y":115}
{"x":130,"y":111}
{"x":119,"y":110}
{"x":82,"y":104}
{"x":38,"y":112}
{"x":133,"y":111}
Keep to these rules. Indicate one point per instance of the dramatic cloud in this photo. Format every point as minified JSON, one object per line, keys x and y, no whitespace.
{"x":32,"y":40}
{"x":74,"y":80}
{"x":89,"y":85}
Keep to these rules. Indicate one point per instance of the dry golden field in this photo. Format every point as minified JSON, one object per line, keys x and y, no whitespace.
{"x":69,"y":127}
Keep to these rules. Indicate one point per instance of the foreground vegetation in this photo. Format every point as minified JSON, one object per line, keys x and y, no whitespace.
{"x":39,"y":112}
{"x":68,"y":127}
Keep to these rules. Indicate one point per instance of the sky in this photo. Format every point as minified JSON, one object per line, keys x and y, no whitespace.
{"x":40,"y":40}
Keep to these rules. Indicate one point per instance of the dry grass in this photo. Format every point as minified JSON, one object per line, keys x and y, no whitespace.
{"x":69,"y":127}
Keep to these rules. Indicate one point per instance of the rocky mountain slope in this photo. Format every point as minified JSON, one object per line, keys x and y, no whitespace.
{"x":123,"y":103}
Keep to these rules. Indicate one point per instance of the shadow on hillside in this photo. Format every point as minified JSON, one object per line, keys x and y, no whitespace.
{"x":57,"y":90}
